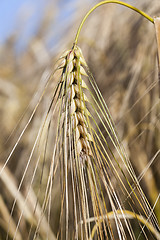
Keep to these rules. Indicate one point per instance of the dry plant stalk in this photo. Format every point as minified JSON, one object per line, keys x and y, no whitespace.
{"x":157,"y":27}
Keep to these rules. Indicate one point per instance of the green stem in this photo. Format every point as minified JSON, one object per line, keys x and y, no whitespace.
{"x":104,"y":2}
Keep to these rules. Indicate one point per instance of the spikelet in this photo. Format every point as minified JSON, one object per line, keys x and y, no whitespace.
{"x":73,"y":71}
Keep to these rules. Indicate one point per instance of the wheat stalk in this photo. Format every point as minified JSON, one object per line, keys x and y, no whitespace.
{"x":87,"y":159}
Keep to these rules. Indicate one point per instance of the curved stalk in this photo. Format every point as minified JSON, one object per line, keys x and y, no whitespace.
{"x":128,"y":215}
{"x":105,"y":2}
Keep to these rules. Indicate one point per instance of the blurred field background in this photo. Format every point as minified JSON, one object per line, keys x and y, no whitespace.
{"x":120,"y":49}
